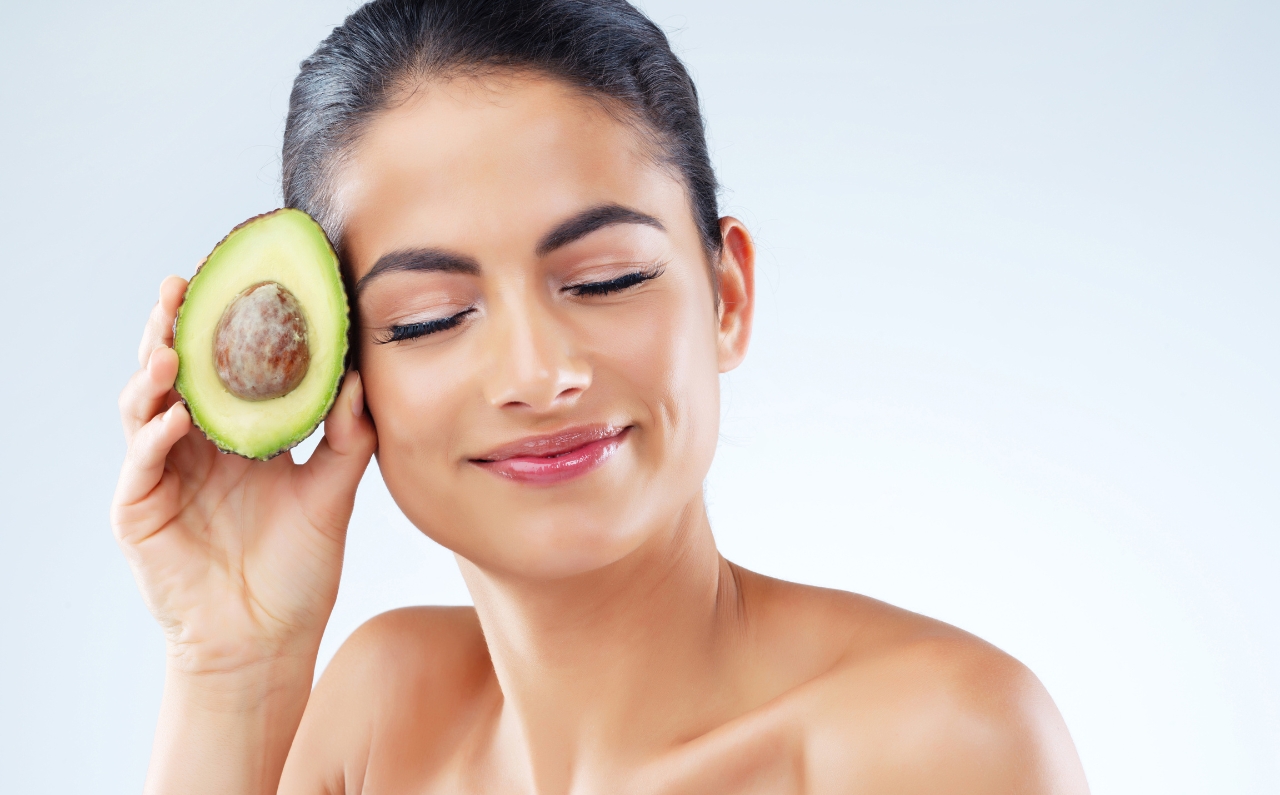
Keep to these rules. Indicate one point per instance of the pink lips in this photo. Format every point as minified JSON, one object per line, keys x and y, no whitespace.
{"x":557,"y":457}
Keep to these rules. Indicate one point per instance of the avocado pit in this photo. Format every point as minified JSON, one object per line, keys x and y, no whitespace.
{"x":260,"y":346}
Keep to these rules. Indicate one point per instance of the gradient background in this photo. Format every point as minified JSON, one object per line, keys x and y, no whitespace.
{"x":1015,"y":365}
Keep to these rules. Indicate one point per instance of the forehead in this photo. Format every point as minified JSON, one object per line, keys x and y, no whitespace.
{"x":487,"y":165}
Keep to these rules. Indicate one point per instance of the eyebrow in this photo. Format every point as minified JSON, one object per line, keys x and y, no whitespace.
{"x":420,"y":259}
{"x":588,"y":221}
{"x":575,"y":228}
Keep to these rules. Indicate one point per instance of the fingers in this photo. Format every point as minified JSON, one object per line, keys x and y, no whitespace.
{"x":147,"y":392}
{"x":349,"y":437}
{"x":159,"y":330}
{"x":144,"y":463}
{"x":335,"y":468}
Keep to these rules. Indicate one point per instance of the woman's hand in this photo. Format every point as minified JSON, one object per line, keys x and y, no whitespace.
{"x":238,"y":560}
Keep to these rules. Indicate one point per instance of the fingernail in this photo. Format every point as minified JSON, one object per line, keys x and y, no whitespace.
{"x":357,"y":400}
{"x":151,"y":357}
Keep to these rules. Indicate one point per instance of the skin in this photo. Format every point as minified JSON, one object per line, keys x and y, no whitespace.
{"x":611,"y":648}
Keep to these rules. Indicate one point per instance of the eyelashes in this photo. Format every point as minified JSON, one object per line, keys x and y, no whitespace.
{"x":615,"y":285}
{"x":411,"y":331}
{"x":414,"y":330}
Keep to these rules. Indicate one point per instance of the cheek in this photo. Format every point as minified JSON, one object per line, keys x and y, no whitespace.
{"x":415,"y":398}
{"x":665,"y":359}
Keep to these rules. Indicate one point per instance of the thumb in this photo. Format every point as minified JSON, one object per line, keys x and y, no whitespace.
{"x":333,"y":471}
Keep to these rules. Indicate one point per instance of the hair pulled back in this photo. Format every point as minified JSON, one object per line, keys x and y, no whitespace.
{"x":605,"y":47}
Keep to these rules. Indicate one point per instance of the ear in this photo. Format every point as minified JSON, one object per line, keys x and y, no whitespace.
{"x":736,"y":273}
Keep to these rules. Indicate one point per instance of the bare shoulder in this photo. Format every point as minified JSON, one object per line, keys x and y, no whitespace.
{"x":906,"y":703}
{"x":409,"y":645}
{"x":406,"y":673}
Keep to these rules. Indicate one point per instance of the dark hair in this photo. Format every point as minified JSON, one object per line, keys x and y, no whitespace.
{"x":605,"y":47}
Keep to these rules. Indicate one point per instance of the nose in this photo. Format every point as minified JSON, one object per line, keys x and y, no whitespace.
{"x":533,"y":362}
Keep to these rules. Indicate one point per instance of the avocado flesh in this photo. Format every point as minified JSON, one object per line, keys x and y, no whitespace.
{"x":258,"y":386}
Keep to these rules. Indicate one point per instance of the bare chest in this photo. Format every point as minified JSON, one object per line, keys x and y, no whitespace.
{"x":754,"y":755}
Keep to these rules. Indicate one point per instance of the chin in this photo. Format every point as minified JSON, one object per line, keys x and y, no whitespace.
{"x":548,"y":532}
{"x":563,"y":554}
{"x":557,"y":542}
{"x":558,"y":534}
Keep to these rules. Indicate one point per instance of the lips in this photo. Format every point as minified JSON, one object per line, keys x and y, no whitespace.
{"x":556,"y":457}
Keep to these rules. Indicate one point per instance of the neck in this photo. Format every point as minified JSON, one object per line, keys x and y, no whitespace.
{"x":635,"y":655}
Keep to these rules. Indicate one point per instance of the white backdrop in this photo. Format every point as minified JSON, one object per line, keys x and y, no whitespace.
{"x":1016,"y":363}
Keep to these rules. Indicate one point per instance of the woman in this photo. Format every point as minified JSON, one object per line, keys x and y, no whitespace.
{"x":545,"y":296}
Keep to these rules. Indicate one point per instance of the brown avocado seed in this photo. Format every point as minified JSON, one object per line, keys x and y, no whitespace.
{"x":260,"y":345}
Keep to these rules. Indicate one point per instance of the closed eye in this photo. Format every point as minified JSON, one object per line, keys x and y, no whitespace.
{"x":615,"y":285}
{"x":414,"y":330}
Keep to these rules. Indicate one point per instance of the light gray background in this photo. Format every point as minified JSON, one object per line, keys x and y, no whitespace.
{"x":1015,"y":363}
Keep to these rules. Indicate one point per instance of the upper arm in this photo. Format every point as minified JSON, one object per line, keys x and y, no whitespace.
{"x":333,"y":738}
{"x":944,"y":715}
{"x":400,"y":674}
{"x":1003,"y":733}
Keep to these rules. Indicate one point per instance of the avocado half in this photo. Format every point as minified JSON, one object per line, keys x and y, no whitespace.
{"x":261,"y":335}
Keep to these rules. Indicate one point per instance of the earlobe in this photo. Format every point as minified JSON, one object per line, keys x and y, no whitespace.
{"x":736,"y":275}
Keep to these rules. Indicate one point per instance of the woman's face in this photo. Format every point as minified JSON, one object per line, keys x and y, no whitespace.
{"x":525,"y":270}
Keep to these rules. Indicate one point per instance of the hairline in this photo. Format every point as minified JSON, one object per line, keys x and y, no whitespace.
{"x":654,"y":147}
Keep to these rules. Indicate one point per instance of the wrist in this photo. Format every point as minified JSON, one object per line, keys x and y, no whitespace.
{"x":228,"y":731}
{"x":191,"y":652}
{"x":244,"y":686}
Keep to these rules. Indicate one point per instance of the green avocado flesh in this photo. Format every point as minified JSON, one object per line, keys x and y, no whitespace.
{"x":261,"y":335}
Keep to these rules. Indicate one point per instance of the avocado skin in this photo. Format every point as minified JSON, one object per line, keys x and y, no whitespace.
{"x":189,"y":391}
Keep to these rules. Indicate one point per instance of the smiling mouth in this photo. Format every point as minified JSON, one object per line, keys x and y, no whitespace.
{"x":555,"y":458}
